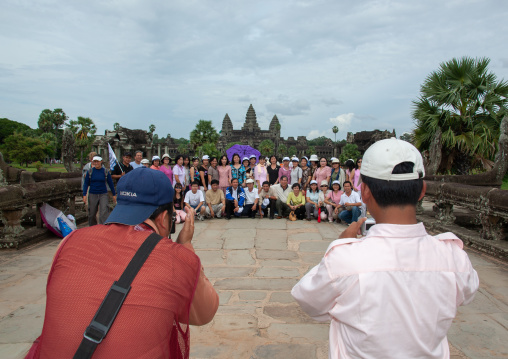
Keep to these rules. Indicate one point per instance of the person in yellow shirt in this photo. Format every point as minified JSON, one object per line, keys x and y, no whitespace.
{"x":296,"y":201}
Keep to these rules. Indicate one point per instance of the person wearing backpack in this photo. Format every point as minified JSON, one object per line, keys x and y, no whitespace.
{"x":97,"y":179}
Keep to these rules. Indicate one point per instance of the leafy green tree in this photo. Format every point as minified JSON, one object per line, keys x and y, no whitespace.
{"x":460,"y":107}
{"x":116,"y":126}
{"x":24,"y":149}
{"x":349,"y":151}
{"x":311,"y":150}
{"x":283,"y":150}
{"x":209,"y":149}
{"x":406,"y":136}
{"x":266,"y":147}
{"x":292,"y":150}
{"x":8,"y":127}
{"x":151,"y":128}
{"x":84,"y":130}
{"x":318,"y":141}
{"x":204,"y":133}
{"x":53,"y":121}
{"x":181,"y":140}
{"x":183,"y":149}
{"x":335,"y":129}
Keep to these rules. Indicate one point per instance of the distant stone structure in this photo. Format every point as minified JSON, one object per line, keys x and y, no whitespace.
{"x":364,"y":139}
{"x":126,"y":139}
{"x":251,"y":134}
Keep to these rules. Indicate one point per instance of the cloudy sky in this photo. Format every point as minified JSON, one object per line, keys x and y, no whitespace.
{"x":316,"y":63}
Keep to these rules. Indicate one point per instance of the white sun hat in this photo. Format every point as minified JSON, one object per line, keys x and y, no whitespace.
{"x":381,"y":158}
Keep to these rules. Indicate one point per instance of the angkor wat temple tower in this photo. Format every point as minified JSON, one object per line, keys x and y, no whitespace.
{"x":250,"y":134}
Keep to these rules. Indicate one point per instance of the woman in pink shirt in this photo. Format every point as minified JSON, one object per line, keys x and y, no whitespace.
{"x":332,"y":201}
{"x":284,"y":170}
{"x":355,"y":177}
{"x":322,"y":173}
{"x":260,"y":173}
{"x":166,"y":167}
{"x":156,"y":160}
{"x":224,"y":173}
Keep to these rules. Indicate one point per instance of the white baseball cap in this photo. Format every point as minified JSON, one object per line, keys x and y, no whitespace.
{"x":381,"y":158}
{"x":205,"y":157}
{"x":144,"y":160}
{"x":252,"y":156}
{"x":250,"y":180}
{"x":97,"y":158}
{"x":295,"y":159}
{"x":155,"y":158}
{"x":285,"y":159}
{"x":313,"y":182}
{"x":245,"y":159}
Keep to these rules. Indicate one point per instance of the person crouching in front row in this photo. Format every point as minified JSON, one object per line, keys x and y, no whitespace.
{"x":195,"y":200}
{"x":235,"y":198}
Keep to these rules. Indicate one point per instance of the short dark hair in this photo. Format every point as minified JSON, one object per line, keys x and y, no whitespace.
{"x":234,"y":179}
{"x":348,"y":182}
{"x":350,"y":164}
{"x":163,"y":207}
{"x":395,"y":193}
{"x":194,"y":183}
{"x":281,"y":177}
{"x":296,"y":185}
{"x":214,"y":181}
{"x":265,"y":182}
{"x":178,"y":157}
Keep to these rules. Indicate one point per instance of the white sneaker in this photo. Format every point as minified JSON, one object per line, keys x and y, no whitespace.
{"x":200,"y":217}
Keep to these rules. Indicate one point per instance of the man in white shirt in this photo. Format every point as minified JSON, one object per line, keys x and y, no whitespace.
{"x":251,"y":199}
{"x":282,"y":191}
{"x":351,"y":204}
{"x":195,"y":199}
{"x":395,"y":292}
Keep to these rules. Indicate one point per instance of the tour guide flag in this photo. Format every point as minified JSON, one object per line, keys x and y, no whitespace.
{"x":112,"y":158}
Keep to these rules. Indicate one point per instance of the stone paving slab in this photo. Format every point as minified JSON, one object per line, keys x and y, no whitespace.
{"x":253,"y":265}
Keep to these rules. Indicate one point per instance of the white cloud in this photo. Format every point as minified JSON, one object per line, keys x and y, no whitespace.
{"x":293,"y":108}
{"x":343,"y":122}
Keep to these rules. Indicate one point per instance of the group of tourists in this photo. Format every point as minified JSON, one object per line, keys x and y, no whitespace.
{"x":250,"y":186}
{"x":391,"y":294}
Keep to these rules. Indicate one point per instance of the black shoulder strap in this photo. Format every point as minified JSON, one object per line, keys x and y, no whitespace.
{"x":106,"y":314}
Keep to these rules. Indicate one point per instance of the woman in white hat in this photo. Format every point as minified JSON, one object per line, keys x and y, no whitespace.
{"x":314,"y":164}
{"x":337,"y":174}
{"x":284,"y":170}
{"x":296,"y":172}
{"x":97,"y":178}
{"x":332,"y":201}
{"x":156,"y":160}
{"x":145,"y":163}
{"x":166,"y":167}
{"x":311,"y":200}
{"x":249,"y":174}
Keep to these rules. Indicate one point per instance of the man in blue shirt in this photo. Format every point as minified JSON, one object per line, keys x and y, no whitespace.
{"x":96,"y":179}
{"x":235,"y":198}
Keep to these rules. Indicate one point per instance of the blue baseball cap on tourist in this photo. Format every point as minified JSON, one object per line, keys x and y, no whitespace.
{"x":140,"y":193}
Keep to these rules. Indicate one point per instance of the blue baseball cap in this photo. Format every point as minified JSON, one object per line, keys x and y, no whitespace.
{"x":139,"y":194}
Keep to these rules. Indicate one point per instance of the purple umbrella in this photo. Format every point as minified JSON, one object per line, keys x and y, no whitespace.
{"x":243,"y":151}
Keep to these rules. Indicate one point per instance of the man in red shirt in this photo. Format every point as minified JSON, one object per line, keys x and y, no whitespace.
{"x":169,"y":292}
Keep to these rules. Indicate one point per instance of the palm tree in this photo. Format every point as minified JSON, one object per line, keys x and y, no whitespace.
{"x":335,"y":129}
{"x":465,"y":103}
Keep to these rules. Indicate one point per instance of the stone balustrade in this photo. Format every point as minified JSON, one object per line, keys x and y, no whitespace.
{"x":489,"y":203}
{"x":17,"y":199}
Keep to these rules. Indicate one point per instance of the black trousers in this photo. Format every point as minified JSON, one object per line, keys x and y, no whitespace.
{"x":300,"y":212}
{"x":272,"y":207}
{"x":230,"y":208}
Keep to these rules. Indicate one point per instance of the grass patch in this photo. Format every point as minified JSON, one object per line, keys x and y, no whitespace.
{"x":505,"y":183}
{"x":50,"y":168}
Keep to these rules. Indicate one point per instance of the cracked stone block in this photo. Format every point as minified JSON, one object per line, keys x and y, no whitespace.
{"x":240,"y":258}
{"x":239,"y":243}
{"x":251,"y":295}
